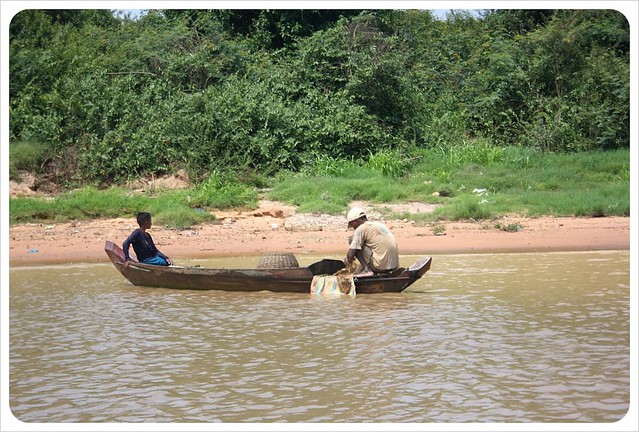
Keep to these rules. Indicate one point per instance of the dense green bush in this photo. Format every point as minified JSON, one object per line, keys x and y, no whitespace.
{"x":269,"y":90}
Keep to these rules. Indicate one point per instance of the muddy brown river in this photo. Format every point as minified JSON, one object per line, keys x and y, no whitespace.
{"x":538,"y":337}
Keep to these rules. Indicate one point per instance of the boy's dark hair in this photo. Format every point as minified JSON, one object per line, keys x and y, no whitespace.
{"x":143,"y":217}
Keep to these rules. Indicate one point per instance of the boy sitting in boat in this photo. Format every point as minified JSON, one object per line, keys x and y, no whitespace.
{"x":143,"y":244}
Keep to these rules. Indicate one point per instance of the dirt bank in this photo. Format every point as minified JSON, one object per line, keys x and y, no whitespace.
{"x":274,"y":227}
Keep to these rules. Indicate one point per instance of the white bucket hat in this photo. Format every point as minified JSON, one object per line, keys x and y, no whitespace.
{"x":354,"y":214}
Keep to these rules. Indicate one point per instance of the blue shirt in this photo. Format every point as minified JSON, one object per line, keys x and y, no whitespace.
{"x":142,"y":245}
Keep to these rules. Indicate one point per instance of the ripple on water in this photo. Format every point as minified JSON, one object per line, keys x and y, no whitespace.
{"x":489,"y":338}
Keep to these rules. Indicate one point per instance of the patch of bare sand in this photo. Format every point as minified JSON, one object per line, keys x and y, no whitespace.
{"x":264,"y":230}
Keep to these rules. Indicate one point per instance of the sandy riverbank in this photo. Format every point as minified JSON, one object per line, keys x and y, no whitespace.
{"x":263,"y":230}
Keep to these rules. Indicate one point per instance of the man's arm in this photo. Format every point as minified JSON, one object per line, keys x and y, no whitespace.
{"x":350,"y":256}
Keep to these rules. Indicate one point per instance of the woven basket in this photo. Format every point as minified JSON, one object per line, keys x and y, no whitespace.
{"x":279,"y":260}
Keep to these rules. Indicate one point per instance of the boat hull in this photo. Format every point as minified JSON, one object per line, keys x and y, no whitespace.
{"x":296,"y":279}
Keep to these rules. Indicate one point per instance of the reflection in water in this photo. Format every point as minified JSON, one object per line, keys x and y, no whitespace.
{"x":481,"y":338}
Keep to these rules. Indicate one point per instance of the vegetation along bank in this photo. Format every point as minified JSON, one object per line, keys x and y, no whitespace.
{"x":509,"y":112}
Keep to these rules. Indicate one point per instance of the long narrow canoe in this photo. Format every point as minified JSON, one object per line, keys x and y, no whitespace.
{"x":292,"y":279}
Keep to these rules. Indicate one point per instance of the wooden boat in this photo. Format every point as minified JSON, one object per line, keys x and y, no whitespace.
{"x":292,"y":279}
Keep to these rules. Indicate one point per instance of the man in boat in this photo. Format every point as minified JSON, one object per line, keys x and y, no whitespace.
{"x":372,"y":244}
{"x":143,"y":244}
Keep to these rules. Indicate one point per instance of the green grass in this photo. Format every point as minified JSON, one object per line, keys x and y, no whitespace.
{"x":332,"y":195}
{"x":516,"y":181}
{"x":27,"y":156}
{"x":480,"y":182}
{"x":80,"y":204}
{"x":175,"y":209}
{"x":219,"y":191}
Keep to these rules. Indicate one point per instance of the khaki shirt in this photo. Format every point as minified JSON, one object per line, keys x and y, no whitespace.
{"x":378,"y":244}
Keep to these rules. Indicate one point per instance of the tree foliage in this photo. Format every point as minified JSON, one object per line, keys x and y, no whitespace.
{"x":266,"y":90}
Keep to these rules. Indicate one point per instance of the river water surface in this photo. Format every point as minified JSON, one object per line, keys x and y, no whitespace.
{"x":480,"y":338}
